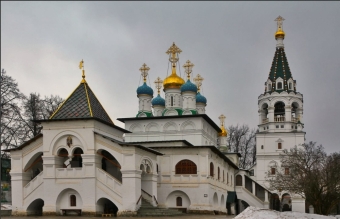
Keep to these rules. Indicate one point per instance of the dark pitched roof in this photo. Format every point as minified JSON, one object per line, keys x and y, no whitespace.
{"x":280,"y":68}
{"x":204,"y":116}
{"x":82,"y":103}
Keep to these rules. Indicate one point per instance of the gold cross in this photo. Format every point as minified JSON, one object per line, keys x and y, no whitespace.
{"x":279,"y":21}
{"x":158,"y":83}
{"x":198,"y":80}
{"x":188,"y":68}
{"x":81,"y":66}
{"x":222,"y":118}
{"x":144,"y":69}
{"x":173,"y":50}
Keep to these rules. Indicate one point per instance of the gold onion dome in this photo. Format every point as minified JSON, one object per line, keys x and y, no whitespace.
{"x":223,"y":133}
{"x":173,"y":81}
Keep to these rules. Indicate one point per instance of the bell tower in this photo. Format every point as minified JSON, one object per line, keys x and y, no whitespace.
{"x":280,"y":110}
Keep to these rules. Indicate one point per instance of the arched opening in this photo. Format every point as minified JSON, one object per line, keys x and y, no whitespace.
{"x":35,"y":208}
{"x":279,"y":112}
{"x":295,"y":115}
{"x":63,"y":154}
{"x":286,"y":202}
{"x":179,"y":201}
{"x":223,"y":204}
{"x":274,"y":202}
{"x":111,"y":165}
{"x":69,"y":202}
{"x":242,"y":205}
{"x":105,"y":206}
{"x":77,"y":160}
{"x":215,"y":199}
{"x":35,"y":165}
{"x":238,"y":180}
{"x":218,"y":173}
{"x":264,"y":113}
{"x":173,"y":197}
{"x":211,"y":169}
{"x":186,"y":167}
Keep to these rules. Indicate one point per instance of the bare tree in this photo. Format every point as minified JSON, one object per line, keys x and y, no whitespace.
{"x":50,"y":105}
{"x":11,"y":124}
{"x":241,"y":139}
{"x":311,"y":173}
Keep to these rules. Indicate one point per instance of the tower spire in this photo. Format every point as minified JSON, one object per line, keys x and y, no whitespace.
{"x":81,"y":66}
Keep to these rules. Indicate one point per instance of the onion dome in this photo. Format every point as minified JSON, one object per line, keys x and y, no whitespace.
{"x":144,"y":89}
{"x":200,"y":98}
{"x":173,"y":81}
{"x":189,"y":86}
{"x":158,"y":101}
{"x":223,"y":133}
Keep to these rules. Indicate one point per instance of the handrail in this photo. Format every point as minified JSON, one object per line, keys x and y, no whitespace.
{"x":147,"y":193}
{"x":139,"y":199}
{"x":155,"y":200}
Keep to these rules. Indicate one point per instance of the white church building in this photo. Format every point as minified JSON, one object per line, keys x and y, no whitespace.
{"x":167,"y":158}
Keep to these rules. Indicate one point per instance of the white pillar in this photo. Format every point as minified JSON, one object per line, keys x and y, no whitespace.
{"x":254,"y":187}
{"x":18,"y":181}
{"x":288,"y":113}
{"x":131,"y":188}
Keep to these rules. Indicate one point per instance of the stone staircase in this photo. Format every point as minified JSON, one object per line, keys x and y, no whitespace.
{"x":147,"y":210}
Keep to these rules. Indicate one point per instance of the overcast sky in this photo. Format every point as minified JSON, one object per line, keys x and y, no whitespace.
{"x":230,"y":43}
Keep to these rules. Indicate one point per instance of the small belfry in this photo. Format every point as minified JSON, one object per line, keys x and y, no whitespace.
{"x":144,"y":94}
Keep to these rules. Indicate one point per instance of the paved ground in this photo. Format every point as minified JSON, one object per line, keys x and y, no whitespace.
{"x":187,"y":216}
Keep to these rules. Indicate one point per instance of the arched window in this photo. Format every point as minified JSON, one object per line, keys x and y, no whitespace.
{"x":218,"y":173}
{"x":172,"y":100}
{"x":290,"y":86}
{"x":286,"y":171}
{"x":211,"y":169}
{"x":178,"y":201}
{"x":279,"y":85}
{"x":279,"y":145}
{"x":186,"y":167}
{"x":227,"y":178}
{"x":238,"y":180}
{"x":73,"y":200}
{"x":223,"y":175}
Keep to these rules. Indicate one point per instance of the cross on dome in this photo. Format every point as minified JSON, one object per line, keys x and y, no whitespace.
{"x":279,"y":21}
{"x":158,"y":83}
{"x":173,"y":50}
{"x":81,"y":66}
{"x":222,"y":119}
{"x":144,"y":69}
{"x":198,"y":81}
{"x":188,"y":68}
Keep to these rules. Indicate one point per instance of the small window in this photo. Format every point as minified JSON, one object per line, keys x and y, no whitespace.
{"x":172,"y":100}
{"x":292,"y":127}
{"x":264,"y":128}
{"x":211,"y":169}
{"x":231,"y":180}
{"x":73,"y":200}
{"x":282,"y":126}
{"x":290,"y":86}
{"x":279,"y":85}
{"x":178,"y":201}
{"x":286,"y":171}
{"x":218,"y":173}
{"x":238,"y":180}
{"x":223,"y":175}
{"x":251,"y":172}
{"x":272,"y":171}
{"x":279,"y":145}
{"x":269,"y":87}
{"x":227,"y":178}
{"x":277,"y":126}
{"x":261,"y":146}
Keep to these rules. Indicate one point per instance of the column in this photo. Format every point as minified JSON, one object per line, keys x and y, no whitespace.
{"x":131,"y":188}
{"x":254,"y":188}
{"x":271,"y":113}
{"x":288,"y":113}
{"x":266,"y":202}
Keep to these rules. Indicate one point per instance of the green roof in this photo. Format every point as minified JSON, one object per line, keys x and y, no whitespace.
{"x":280,"y":69}
{"x":82,"y":103}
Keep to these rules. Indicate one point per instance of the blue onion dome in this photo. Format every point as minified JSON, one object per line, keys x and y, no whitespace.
{"x":189,"y":86}
{"x":145,"y":89}
{"x":158,"y":101}
{"x":200,"y":98}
